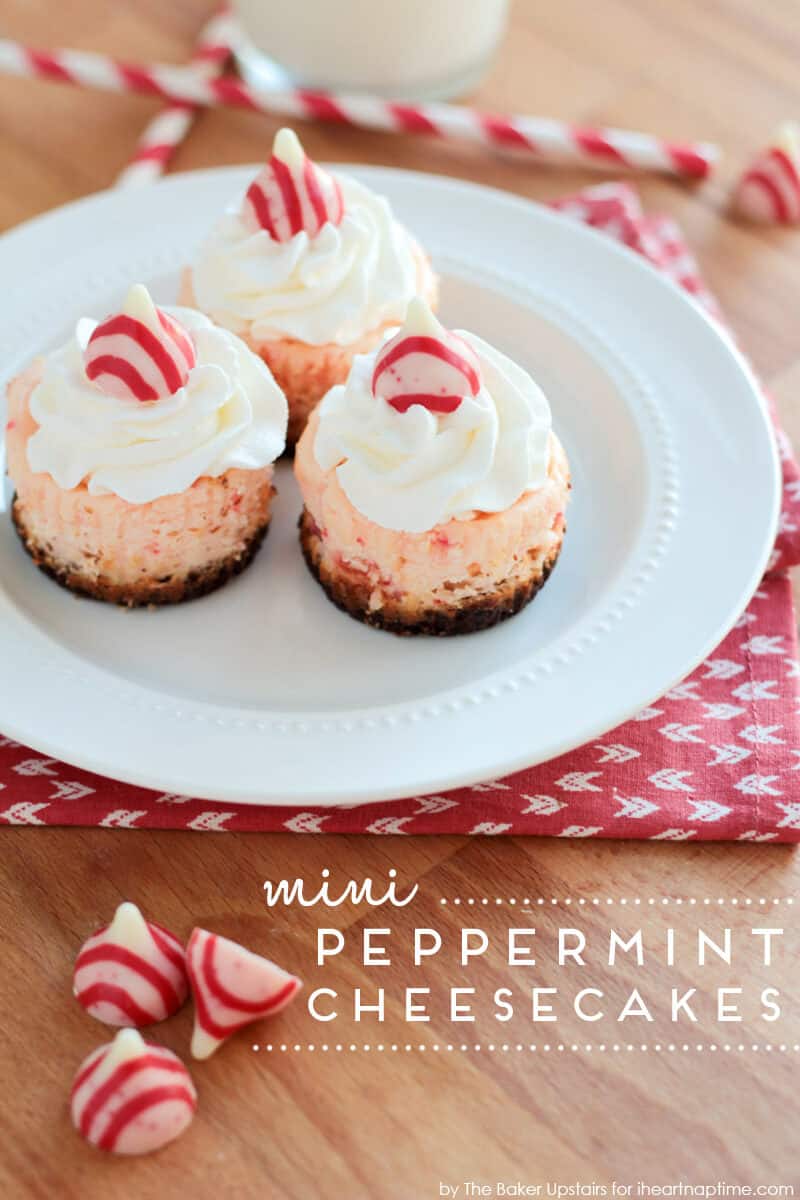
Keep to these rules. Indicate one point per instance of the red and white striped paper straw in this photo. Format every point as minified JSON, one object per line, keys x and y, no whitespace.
{"x":169,"y":128}
{"x":537,"y":137}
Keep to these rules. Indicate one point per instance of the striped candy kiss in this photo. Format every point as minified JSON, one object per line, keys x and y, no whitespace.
{"x":131,"y":972}
{"x":132,"y":1097}
{"x":425,"y":364}
{"x":231,"y":987}
{"x":140,"y":353}
{"x":292,"y":193}
{"x":769,"y":190}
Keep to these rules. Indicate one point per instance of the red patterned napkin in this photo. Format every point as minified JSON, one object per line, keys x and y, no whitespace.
{"x":714,"y":759}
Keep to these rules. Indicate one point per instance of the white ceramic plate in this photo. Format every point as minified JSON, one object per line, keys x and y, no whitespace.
{"x":265,"y":693}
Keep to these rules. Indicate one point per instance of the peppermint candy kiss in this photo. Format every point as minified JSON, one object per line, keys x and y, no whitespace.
{"x":769,"y":190}
{"x":140,"y":353}
{"x":131,"y":1096}
{"x":131,"y":972}
{"x":425,"y":364}
{"x":231,"y":987}
{"x":292,"y":193}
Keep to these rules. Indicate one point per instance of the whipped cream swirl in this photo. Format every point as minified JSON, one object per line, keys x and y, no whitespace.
{"x":335,"y":287}
{"x":230,"y":413}
{"x":413,"y":470}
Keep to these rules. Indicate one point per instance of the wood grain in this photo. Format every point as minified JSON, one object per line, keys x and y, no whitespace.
{"x":327,"y":1125}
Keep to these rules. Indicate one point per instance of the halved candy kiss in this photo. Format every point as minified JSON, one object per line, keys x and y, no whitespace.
{"x":131,"y":1096}
{"x":231,"y":987}
{"x":768,"y":191}
{"x":291,"y":193}
{"x":131,"y":972}
{"x":140,"y":353}
{"x":425,"y":364}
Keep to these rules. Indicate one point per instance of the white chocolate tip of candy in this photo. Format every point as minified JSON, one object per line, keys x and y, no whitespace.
{"x":139,"y":305}
{"x":421,"y":320}
{"x":287,"y":148}
{"x":129,"y":929}
{"x":788,"y":139}
{"x":83,"y":331}
{"x":203,"y":1044}
{"x":127,"y":1044}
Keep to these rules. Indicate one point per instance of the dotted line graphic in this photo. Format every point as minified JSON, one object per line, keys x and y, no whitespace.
{"x":519,"y":1047}
{"x":527,"y":901}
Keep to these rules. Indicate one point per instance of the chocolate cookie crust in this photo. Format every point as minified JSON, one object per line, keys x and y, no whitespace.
{"x":466,"y":616}
{"x":173,"y":589}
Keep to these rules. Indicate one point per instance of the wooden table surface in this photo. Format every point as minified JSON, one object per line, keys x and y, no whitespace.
{"x":395,"y":1125}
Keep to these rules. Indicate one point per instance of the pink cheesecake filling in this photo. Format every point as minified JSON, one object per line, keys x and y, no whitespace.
{"x":130,"y":543}
{"x":459,"y":559}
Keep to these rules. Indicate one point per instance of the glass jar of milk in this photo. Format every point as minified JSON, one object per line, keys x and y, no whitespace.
{"x":406,"y":49}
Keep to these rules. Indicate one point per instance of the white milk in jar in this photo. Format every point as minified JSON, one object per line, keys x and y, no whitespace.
{"x":413,"y":49}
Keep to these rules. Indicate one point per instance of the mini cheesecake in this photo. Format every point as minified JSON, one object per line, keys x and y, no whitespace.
{"x":141,"y":453}
{"x":310,"y":269}
{"x":434,"y":488}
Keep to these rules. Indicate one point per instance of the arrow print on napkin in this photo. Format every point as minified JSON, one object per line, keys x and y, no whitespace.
{"x":708,"y":810}
{"x":635,"y":806}
{"x":729,"y":754}
{"x":671,"y":780}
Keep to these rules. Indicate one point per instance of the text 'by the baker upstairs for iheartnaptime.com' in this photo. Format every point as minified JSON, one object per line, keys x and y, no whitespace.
{"x":552,"y":959}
